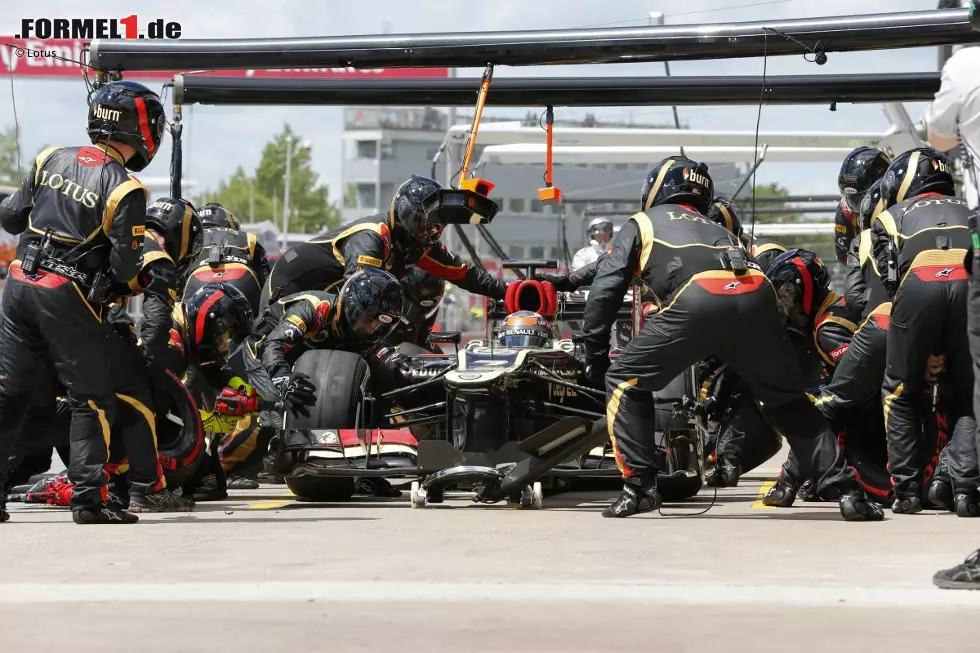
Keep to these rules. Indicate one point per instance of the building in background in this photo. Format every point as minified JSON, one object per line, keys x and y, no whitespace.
{"x":384,"y":147}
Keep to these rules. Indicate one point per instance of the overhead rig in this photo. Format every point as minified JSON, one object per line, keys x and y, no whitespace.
{"x":818,"y":36}
{"x":561,"y":91}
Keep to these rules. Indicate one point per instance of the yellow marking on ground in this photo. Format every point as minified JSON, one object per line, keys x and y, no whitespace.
{"x":273,"y":504}
{"x":765,"y":487}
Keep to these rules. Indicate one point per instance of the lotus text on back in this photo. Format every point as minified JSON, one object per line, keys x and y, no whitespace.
{"x":97,"y":28}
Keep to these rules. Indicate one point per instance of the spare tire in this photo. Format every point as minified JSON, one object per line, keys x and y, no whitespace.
{"x":180,"y":433}
{"x":672,"y":483}
{"x":341,"y":379}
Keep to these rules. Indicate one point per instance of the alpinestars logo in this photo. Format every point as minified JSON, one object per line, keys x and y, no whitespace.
{"x":733,"y":285}
{"x":97,"y":28}
{"x":945,"y":272}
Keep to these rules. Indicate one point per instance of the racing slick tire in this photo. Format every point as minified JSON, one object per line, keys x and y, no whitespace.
{"x":340,"y":379}
{"x":683,"y":451}
{"x":180,"y":433}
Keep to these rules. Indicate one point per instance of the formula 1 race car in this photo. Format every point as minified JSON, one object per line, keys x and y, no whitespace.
{"x":497,"y":419}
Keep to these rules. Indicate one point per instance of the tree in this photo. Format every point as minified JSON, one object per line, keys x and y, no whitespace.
{"x":309,"y":201}
{"x":239,"y":194}
{"x":822,"y":245}
{"x":312,"y":210}
{"x":10,"y":173}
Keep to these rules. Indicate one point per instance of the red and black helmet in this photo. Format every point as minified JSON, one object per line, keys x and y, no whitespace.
{"x":801,"y":282}
{"x":129,"y":113}
{"x":218,"y":316}
{"x":678,"y":180}
{"x":918,"y":171}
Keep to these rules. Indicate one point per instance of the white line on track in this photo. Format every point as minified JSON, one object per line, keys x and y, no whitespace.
{"x":686,"y":594}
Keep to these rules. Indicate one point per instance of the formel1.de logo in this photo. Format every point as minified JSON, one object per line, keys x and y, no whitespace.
{"x":97,"y":28}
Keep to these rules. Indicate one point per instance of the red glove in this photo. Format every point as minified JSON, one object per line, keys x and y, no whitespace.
{"x":233,"y":402}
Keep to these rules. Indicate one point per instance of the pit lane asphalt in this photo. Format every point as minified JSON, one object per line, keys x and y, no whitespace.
{"x":261,"y":572}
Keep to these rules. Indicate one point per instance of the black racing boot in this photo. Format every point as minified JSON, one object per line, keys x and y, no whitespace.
{"x":102,"y":514}
{"x":808,"y":491}
{"x":941,"y":494}
{"x":967,"y":504}
{"x":236,"y":482}
{"x":638,"y":495}
{"x":725,"y":473}
{"x":856,"y":506}
{"x":907,"y":504}
{"x":961,"y":577}
{"x":118,"y":493}
{"x":160,"y":501}
{"x":780,"y":495}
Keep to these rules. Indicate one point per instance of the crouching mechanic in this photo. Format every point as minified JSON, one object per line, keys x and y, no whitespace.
{"x":921,"y":240}
{"x":228,"y":255}
{"x":203,"y":329}
{"x":714,"y":302}
{"x":817,"y":313}
{"x":406,"y":235}
{"x":364,"y":311}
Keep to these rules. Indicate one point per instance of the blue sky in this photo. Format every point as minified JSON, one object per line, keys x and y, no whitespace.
{"x":220,"y":139}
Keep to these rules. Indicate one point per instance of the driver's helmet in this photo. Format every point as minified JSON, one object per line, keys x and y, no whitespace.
{"x":524,"y":329}
{"x":218,"y":316}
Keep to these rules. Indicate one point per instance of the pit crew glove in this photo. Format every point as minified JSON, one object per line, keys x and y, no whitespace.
{"x":559,"y":281}
{"x":297,"y":391}
{"x":596,"y":366}
{"x":234,"y":402}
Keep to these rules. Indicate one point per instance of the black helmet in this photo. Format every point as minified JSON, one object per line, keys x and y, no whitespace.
{"x":871,"y":206}
{"x":918,"y":171}
{"x":801,"y":283}
{"x":129,"y":113}
{"x":177,"y":221}
{"x":423,"y":295}
{"x":861,"y":168}
{"x":678,"y":180}
{"x":409,"y":214}
{"x":524,"y":329}
{"x":215,"y":215}
{"x":371,"y":300}
{"x":218,"y":316}
{"x":726,"y":213}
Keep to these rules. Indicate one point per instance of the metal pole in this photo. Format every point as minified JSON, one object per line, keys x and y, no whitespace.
{"x":285,"y":192}
{"x":657,"y":18}
{"x":251,"y":200}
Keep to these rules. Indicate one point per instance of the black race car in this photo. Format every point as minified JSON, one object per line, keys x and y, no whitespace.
{"x":482,"y":411}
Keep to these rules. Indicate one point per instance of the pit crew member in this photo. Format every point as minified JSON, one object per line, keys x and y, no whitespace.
{"x":714,"y":302}
{"x":228,"y":255}
{"x":403,"y":236}
{"x":82,"y":215}
{"x":861,"y":168}
{"x":600,"y":235}
{"x":920,"y":241}
{"x":364,"y":311}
